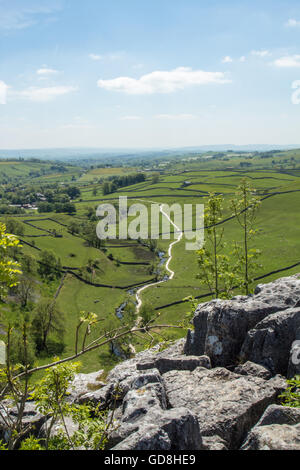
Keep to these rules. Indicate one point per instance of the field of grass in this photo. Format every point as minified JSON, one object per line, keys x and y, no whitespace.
{"x":35,"y":172}
{"x":96,"y":173}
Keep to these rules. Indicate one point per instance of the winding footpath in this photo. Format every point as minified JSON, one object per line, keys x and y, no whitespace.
{"x":179,"y":232}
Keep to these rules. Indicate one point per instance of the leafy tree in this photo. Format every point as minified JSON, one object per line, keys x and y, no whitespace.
{"x":48,"y":320}
{"x":9,"y":269}
{"x":146,"y":313}
{"x":155,"y":178}
{"x":105,"y":188}
{"x":45,"y":207}
{"x":90,"y":235}
{"x":74,"y":227}
{"x":25,"y":290}
{"x":245,"y":207}
{"x":49,"y":265}
{"x":216,"y":270}
{"x":28,"y":264}
{"x":14,"y":226}
{"x":73,"y":192}
{"x":18,"y":355}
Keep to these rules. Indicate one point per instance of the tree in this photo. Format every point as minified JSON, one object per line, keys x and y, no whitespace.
{"x":245,"y":207}
{"x":49,"y":265}
{"x":90,"y":235}
{"x":9,"y":269}
{"x":14,"y":226}
{"x":105,"y":188}
{"x":73,"y":192}
{"x":28,"y":264}
{"x":216,"y":271}
{"x":74,"y":227}
{"x":25,"y":290}
{"x":45,"y":207}
{"x":155,"y":178}
{"x":48,"y":319}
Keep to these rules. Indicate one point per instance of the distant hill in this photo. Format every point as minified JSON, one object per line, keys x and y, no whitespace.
{"x":98,"y":153}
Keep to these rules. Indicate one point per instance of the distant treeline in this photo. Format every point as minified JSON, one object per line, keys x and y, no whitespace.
{"x":116,"y":182}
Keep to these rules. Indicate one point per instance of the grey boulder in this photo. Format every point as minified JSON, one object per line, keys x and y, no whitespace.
{"x":165,"y":364}
{"x":269,"y":343}
{"x":250,"y":368}
{"x":175,"y":429}
{"x":227,"y":405}
{"x":278,"y":429}
{"x":220,"y":326}
{"x":84,"y":383}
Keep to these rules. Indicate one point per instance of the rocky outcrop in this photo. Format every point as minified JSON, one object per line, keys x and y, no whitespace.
{"x":278,"y":429}
{"x":222,"y":325}
{"x":217,"y":406}
{"x":146,"y":423}
{"x":269,"y":343}
{"x":175,"y":429}
{"x":226,"y":404}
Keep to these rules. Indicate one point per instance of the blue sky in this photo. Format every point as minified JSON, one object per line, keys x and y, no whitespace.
{"x":159,"y":73}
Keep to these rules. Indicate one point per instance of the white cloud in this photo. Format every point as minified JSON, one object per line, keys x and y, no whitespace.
{"x":162,"y":81}
{"x":175,"y":117}
{"x":44,"y":71}
{"x":261,"y":53}
{"x":111,"y":57}
{"x":46,"y":94}
{"x":130,"y":118}
{"x":227,"y":59}
{"x":242,"y":58}
{"x":288,"y":61}
{"x":95,"y":56}
{"x":3,"y":92}
{"x":77,"y":126}
{"x":292,"y":23}
{"x":13,"y":17}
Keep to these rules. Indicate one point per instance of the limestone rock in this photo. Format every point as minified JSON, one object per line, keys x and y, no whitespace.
{"x":226,"y":404}
{"x":121,"y":376}
{"x":31,"y":418}
{"x":58,"y":428}
{"x":221,"y":326}
{"x":84,"y":383}
{"x":278,"y":429}
{"x":165,"y":364}
{"x":214,"y":443}
{"x":250,"y":368}
{"x":175,"y":429}
{"x":269,"y":343}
